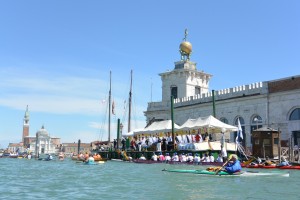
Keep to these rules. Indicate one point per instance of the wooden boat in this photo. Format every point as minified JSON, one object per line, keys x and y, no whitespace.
{"x":273,"y":166}
{"x":222,"y":173}
{"x":100,"y":159}
{"x":177,"y":162}
{"x":289,"y":167}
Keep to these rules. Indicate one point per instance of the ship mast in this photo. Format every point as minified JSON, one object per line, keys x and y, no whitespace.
{"x":130,"y":99}
{"x":109,"y":106}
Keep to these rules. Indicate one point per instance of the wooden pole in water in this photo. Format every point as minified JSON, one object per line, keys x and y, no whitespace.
{"x":118,"y":134}
{"x":78,"y":147}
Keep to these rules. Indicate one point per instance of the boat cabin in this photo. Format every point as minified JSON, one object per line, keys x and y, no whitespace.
{"x":265,"y":142}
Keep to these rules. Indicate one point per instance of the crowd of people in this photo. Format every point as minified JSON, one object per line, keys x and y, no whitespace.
{"x":182,"y":157}
{"x":160,"y":142}
{"x":89,"y":157}
{"x":269,"y":162}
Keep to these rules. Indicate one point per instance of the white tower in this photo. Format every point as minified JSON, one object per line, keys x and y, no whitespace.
{"x":184,"y":80}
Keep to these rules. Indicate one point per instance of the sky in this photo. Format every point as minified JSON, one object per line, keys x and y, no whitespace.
{"x":56,"y":57}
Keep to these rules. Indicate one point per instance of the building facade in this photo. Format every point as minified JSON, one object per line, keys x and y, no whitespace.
{"x":274,"y":104}
{"x":42,"y":142}
{"x":72,"y":148}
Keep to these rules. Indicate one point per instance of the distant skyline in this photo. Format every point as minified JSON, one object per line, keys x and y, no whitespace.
{"x":55,"y":57}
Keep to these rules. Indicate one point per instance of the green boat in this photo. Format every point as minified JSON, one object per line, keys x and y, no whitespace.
{"x":204,"y":172}
{"x":222,"y":173}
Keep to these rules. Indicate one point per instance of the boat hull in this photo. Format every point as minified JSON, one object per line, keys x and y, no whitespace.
{"x":222,"y":173}
{"x":204,"y":172}
{"x":177,"y":162}
{"x":273,"y":167}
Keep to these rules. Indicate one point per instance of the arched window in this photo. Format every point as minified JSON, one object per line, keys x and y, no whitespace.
{"x":295,"y":115}
{"x":242,"y":121}
{"x":223,"y":119}
{"x":256,"y":122}
{"x":174,"y":92}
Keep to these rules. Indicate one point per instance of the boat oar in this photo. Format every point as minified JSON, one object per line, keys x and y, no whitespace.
{"x":222,"y":167}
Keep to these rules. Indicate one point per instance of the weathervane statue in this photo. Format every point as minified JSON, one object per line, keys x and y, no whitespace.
{"x":185,"y":48}
{"x":185,"y":34}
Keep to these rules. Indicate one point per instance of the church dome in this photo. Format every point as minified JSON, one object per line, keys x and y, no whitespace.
{"x":43,"y":132}
{"x":186,"y":47}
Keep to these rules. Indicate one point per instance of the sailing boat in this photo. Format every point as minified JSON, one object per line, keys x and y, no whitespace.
{"x":110,"y":109}
{"x":129,"y":105}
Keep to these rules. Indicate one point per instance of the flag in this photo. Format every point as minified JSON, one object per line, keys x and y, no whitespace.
{"x":239,"y":132}
{"x":113,"y":108}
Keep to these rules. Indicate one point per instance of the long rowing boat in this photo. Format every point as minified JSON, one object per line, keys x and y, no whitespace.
{"x":223,"y":173}
{"x":272,"y":166}
{"x":176,"y":162}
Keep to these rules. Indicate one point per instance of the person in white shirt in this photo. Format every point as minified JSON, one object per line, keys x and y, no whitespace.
{"x":175,"y":157}
{"x":184,"y":140}
{"x":154,"y":157}
{"x":205,"y":158}
{"x":190,"y":157}
{"x":224,"y":153}
{"x":183,"y":158}
{"x":168,"y":157}
{"x":211,"y":158}
{"x":142,"y":157}
{"x":158,"y":144}
{"x":197,"y":158}
{"x":140,"y":145}
{"x":178,"y":139}
{"x":220,"y":158}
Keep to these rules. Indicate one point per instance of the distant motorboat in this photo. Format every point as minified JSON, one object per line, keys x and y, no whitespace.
{"x":13,"y":155}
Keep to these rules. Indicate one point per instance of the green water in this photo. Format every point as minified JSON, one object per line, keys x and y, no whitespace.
{"x":32,"y":179}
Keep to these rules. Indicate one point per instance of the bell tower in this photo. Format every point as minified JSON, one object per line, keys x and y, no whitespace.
{"x":25,"y":127}
{"x":184,"y":80}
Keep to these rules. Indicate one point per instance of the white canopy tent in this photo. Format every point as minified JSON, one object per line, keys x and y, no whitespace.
{"x":157,"y":127}
{"x":210,"y":123}
{"x":131,"y":133}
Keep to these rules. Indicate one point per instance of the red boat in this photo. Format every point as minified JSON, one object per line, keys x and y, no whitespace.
{"x":289,"y":167}
{"x":272,"y":166}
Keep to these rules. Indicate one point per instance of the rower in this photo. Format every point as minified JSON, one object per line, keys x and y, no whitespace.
{"x":142,"y":157}
{"x":154,"y":157}
{"x":233,"y":164}
{"x":284,"y":162}
{"x":90,"y":159}
{"x":168,"y":157}
{"x":175,"y":157}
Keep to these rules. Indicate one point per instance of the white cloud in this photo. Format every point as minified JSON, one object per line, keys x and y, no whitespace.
{"x":53,"y":94}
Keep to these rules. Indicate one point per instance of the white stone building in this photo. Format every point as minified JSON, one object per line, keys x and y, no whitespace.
{"x":275,"y":103}
{"x":42,"y":143}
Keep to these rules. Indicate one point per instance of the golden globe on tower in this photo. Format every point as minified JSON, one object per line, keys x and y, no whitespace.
{"x":185,"y":48}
